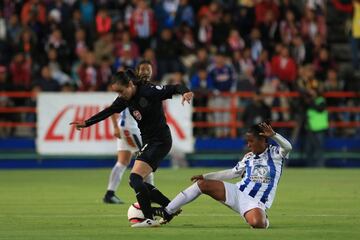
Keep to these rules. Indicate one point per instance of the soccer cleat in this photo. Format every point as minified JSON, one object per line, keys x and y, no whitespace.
{"x":165,"y":216}
{"x":147,"y":223}
{"x":112,"y":200}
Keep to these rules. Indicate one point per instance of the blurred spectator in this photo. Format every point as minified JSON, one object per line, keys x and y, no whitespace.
{"x":298,"y":50}
{"x":90,"y":78}
{"x":322,"y":64}
{"x":188,"y":47}
{"x":62,"y":7}
{"x":256,"y":112}
{"x":104,"y":47}
{"x":270,"y":31}
{"x":184,"y":14}
{"x":126,"y":45}
{"x":80,"y":42}
{"x":9,"y":8}
{"x":105,"y":73}
{"x":56,"y":68}
{"x":262,"y":7}
{"x":353,"y":8}
{"x":262,"y":69}
{"x":201,"y":84}
{"x":14,"y":28}
{"x":288,"y":28}
{"x":202,"y":60}
{"x":57,"y":42}
{"x":244,"y":19}
{"x":255,"y":43}
{"x":223,"y":78}
{"x":103,"y":22}
{"x":142,"y":25}
{"x":87,"y":9}
{"x":284,"y":67}
{"x":289,"y":5}
{"x":46,"y":82}
{"x":167,"y":53}
{"x":27,"y":44}
{"x":33,"y":8}
{"x":311,"y":25}
{"x":3,"y":27}
{"x":316,"y":128}
{"x":20,"y":70}
{"x":235,"y":41}
{"x":204,"y":32}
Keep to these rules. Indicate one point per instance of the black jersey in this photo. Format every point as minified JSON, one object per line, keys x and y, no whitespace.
{"x":146,"y":108}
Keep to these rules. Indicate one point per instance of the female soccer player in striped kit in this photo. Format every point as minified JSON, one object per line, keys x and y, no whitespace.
{"x":128,"y":141}
{"x":262,"y":168}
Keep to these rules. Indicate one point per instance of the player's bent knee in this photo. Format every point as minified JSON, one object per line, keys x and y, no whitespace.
{"x":257,"y":223}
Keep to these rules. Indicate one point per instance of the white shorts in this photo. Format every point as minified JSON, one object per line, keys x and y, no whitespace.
{"x":239,"y":201}
{"x":130,"y":140}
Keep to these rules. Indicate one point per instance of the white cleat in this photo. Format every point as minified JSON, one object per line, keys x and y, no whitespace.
{"x":147,"y":223}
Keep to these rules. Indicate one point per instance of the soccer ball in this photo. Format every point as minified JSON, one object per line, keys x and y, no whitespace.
{"x":135,"y":214}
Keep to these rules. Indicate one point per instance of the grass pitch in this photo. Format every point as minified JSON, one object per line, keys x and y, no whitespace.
{"x":66,"y":204}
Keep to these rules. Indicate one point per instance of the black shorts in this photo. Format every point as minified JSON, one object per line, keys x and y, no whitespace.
{"x":154,"y":152}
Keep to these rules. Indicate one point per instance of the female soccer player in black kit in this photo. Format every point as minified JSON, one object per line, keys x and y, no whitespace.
{"x":144,"y":101}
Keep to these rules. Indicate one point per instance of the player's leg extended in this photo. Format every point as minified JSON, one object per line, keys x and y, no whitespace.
{"x":123,"y":160}
{"x":213,"y":188}
{"x":256,"y":218}
{"x":138,"y":172}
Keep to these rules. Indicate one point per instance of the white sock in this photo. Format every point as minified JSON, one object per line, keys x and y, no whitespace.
{"x":184,"y":197}
{"x":115,"y":176}
{"x":150,"y":178}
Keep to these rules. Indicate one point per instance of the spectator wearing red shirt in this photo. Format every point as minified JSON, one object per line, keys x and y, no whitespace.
{"x":284,"y":67}
{"x":263,"y":7}
{"x":103,"y":22}
{"x":20,"y":70}
{"x":35,"y":8}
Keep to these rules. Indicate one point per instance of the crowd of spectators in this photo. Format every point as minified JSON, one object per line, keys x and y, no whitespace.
{"x":211,"y":45}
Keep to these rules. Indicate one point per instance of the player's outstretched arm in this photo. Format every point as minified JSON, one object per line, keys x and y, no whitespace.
{"x":220,"y":175}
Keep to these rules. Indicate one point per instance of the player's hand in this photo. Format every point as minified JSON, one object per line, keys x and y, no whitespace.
{"x":197,"y":177}
{"x":79,"y":124}
{"x":267,"y":130}
{"x":187,"y":97}
{"x":117,"y":132}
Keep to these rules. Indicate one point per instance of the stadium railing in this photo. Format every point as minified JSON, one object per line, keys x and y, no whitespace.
{"x":233,"y":109}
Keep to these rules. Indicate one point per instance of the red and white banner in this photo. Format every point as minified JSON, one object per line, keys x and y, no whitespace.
{"x":56,"y":110}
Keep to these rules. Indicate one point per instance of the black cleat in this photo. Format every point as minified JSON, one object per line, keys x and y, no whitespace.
{"x":112,"y":199}
{"x":165,"y":216}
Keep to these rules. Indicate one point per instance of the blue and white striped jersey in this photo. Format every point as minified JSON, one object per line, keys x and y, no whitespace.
{"x":262,"y":173}
{"x":126,"y":120}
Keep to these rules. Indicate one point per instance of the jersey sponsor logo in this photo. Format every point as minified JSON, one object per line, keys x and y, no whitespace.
{"x":137,"y":115}
{"x":260,"y":174}
{"x":159,"y":87}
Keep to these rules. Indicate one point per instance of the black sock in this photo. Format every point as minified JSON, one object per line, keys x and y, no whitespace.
{"x":142,"y":194}
{"x":156,"y":196}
